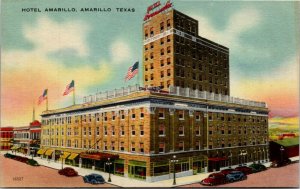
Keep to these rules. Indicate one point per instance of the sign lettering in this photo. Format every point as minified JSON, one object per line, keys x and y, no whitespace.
{"x":150,"y":15}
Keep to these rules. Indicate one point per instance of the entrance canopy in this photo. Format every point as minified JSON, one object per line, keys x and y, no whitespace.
{"x":98,"y":156}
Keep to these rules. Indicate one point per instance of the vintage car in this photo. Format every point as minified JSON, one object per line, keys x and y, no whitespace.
{"x":94,"y":179}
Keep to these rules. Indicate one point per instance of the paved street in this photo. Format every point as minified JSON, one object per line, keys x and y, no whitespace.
{"x":17,"y":174}
{"x":287,"y":176}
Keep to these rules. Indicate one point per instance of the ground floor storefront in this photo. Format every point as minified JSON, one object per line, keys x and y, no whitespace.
{"x":152,"y":168}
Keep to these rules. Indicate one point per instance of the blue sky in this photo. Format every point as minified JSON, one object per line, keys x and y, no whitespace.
{"x":96,"y":48}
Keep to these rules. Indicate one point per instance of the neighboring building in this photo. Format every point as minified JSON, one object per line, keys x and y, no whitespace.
{"x":6,"y":138}
{"x":141,"y":128}
{"x":290,"y":148}
{"x":27,"y":138}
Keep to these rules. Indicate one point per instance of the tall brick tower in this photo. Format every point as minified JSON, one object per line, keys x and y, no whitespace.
{"x":175,"y":55}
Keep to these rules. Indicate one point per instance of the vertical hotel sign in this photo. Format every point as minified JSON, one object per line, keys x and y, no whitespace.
{"x":150,"y":10}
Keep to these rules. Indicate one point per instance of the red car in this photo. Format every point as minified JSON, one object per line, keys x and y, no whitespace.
{"x":246,"y":170}
{"x":214,"y":179}
{"x":226,"y":171}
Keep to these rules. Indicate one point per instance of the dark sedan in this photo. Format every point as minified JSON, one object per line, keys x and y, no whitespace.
{"x":257,"y":167}
{"x":214,"y":179}
{"x":94,"y":179}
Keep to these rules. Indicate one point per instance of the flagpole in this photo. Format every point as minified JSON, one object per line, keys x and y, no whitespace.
{"x":74,"y":95}
{"x":47,"y":101}
{"x":138,"y":74}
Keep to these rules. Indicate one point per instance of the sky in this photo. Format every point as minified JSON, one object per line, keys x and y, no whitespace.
{"x":42,"y":50}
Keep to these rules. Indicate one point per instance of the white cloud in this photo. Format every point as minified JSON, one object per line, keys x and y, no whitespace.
{"x":120,"y":52}
{"x":50,"y":36}
{"x":239,"y":22}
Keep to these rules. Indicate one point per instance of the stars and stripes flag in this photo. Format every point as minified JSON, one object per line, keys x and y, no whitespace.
{"x":69,"y":88}
{"x":43,"y":97}
{"x":132,"y":71}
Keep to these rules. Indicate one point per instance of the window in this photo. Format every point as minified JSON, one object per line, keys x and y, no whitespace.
{"x":181,"y":114}
{"x":105,"y":130}
{"x":162,"y":52}
{"x":122,"y":131}
{"x":161,"y":27}
{"x":113,"y":116}
{"x":105,"y":145}
{"x":141,"y":130}
{"x":181,"y":130}
{"x":97,"y":117}
{"x":142,"y":147}
{"x":122,"y":146}
{"x":133,"y":115}
{"x":168,"y":24}
{"x":161,"y":130}
{"x":84,"y":130}
{"x":168,"y":61}
{"x":161,"y":114}
{"x":162,"y":63}
{"x":181,"y":146}
{"x":162,"y":74}
{"x":151,"y":45}
{"x":162,"y":41}
{"x":161,"y":148}
{"x":151,"y":55}
{"x":112,"y":145}
{"x":142,"y":115}
{"x":62,"y":142}
{"x":168,"y":72}
{"x":132,"y":130}
{"x":151,"y":77}
{"x":169,"y":49}
{"x":90,"y":131}
{"x":151,"y":32}
{"x":113,"y":130}
{"x":168,"y":38}
{"x":132,"y":147}
{"x":197,"y":116}
{"x":197,"y":130}
{"x":197,"y":146}
{"x":76,"y":143}
{"x":122,"y":114}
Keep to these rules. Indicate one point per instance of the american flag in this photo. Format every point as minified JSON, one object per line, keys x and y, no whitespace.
{"x":132,"y":71}
{"x":43,"y":96}
{"x":69,"y":88}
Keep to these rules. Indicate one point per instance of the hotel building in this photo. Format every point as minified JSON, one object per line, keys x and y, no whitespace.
{"x":192,"y":117}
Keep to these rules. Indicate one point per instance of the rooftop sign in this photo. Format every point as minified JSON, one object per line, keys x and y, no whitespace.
{"x":150,"y":13}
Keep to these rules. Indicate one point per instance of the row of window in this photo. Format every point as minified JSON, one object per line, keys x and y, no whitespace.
{"x":162,"y":28}
{"x":162,"y":63}
{"x":223,"y":145}
{"x":162,"y":52}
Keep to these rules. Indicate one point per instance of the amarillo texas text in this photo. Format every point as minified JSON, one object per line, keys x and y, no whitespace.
{"x":78,"y":9}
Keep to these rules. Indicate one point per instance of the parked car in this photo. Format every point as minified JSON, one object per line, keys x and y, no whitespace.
{"x":214,"y":179}
{"x":68,"y":171}
{"x":256,"y":167}
{"x":279,"y":163}
{"x":94,"y":179}
{"x":226,"y":171}
{"x":246,"y":170}
{"x":235,"y":176}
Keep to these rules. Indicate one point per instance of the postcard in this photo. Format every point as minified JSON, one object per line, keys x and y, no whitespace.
{"x":155,"y":93}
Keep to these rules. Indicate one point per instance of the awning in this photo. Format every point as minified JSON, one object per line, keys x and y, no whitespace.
{"x":98,"y":156}
{"x":65,"y":155}
{"x":49,"y":152}
{"x":41,"y":151}
{"x":217,"y":158}
{"x":73,"y":156}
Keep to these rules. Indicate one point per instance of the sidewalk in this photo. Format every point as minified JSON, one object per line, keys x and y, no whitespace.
{"x":129,"y":182}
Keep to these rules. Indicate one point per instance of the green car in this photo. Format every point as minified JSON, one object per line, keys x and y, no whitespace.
{"x":257,"y":167}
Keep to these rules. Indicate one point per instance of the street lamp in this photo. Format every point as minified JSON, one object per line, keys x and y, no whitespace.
{"x":264,"y":155}
{"x":108,"y":163}
{"x":258,"y":152}
{"x":174,"y":160}
{"x":230,"y":156}
{"x":32,"y":152}
{"x":254,"y":157}
{"x":281,"y":153}
{"x":62,"y":159}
